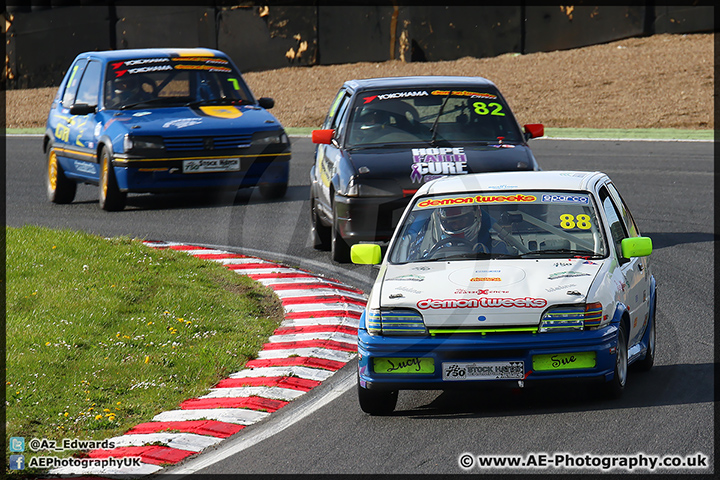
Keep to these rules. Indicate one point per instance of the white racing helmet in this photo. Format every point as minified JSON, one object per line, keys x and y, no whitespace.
{"x":462,"y":221}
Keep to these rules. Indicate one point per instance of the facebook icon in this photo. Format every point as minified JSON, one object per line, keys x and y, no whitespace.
{"x":17,"y":462}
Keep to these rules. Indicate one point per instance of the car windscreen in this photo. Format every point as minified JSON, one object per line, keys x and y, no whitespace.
{"x":521,"y":224}
{"x":431,"y":115}
{"x":173,"y":81}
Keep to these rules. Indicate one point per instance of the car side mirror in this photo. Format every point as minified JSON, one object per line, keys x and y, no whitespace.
{"x":82,"y":109}
{"x":636,"y":247}
{"x":534,"y":130}
{"x":323,"y":136}
{"x":365,"y":254}
{"x":266,"y":102}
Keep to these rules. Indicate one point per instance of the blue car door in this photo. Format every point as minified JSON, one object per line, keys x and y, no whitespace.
{"x":82,"y":123}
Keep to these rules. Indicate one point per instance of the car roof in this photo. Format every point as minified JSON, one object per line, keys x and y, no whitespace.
{"x":565,"y":180}
{"x":419,"y":81}
{"x":123,"y":54}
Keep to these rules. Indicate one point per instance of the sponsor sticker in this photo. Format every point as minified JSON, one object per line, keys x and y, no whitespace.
{"x":507,"y":370}
{"x":567,"y":274}
{"x":406,"y":278}
{"x":182,"y":123}
{"x":558,"y":198}
{"x":428,"y":163}
{"x":482,"y":302}
{"x":211,"y":165}
{"x":477,"y":199}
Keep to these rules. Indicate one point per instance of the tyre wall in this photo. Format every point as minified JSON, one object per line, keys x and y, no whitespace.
{"x":41,"y":42}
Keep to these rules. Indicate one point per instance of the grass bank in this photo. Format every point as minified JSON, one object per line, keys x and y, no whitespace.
{"x":103,"y":334}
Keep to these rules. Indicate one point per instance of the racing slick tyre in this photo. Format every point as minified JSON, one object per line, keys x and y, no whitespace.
{"x":60,"y":189}
{"x":320,"y":233}
{"x":615,"y":387}
{"x":110,"y":197}
{"x":647,"y":363}
{"x":375,"y":402}
{"x":339,"y":248}
{"x":272,"y":191}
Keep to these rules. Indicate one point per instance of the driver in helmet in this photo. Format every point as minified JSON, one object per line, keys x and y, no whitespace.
{"x":128,"y":89}
{"x":469,"y":226}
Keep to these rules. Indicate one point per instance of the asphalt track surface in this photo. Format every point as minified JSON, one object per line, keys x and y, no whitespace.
{"x":669,"y":186}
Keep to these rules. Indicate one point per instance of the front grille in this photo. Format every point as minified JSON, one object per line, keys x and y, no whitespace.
{"x":221,"y":142}
{"x":481,"y":330}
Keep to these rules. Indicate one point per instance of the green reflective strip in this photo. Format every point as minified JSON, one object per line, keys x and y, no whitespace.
{"x":437,"y":331}
{"x":422,"y":365}
{"x":563,"y":361}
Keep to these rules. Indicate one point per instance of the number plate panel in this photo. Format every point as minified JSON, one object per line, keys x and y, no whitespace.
{"x":211,"y":165}
{"x":501,"y":370}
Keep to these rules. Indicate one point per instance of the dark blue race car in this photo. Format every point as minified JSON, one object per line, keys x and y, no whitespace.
{"x":161,"y":120}
{"x":383,"y":138}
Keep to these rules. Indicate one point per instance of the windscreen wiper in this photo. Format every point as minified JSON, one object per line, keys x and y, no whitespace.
{"x":569,"y":251}
{"x":434,"y":125}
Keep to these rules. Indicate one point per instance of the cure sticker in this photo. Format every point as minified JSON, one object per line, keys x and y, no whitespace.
{"x":478,"y":199}
{"x":428,"y":163}
{"x":221,"y":111}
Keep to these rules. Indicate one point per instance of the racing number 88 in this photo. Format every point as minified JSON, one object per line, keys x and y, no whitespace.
{"x":582,"y":221}
{"x":481,"y":108}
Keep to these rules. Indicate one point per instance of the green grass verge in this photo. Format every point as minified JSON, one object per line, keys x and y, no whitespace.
{"x":597,"y":133}
{"x":104,"y":334}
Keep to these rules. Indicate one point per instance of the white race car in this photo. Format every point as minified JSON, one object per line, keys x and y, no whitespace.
{"x":514,"y":278}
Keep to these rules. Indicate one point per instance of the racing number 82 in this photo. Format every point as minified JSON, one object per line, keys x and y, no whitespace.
{"x":481,"y":108}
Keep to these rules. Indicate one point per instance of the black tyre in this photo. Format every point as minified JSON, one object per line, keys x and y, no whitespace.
{"x":110,"y":197}
{"x":339,"y":248}
{"x":616,"y":386}
{"x":319,"y":232}
{"x":377,"y":402}
{"x":271,"y":191}
{"x":60,"y":189}
{"x":647,"y":363}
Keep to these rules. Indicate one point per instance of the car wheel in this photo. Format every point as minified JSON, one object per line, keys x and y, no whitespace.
{"x":647,"y":363}
{"x":339,"y":248}
{"x":377,"y":402}
{"x":111,"y":198}
{"x":616,"y":386}
{"x":60,"y":189}
{"x":271,"y":191}
{"x":320,"y":233}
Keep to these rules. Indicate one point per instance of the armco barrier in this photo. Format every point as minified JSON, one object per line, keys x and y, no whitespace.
{"x":41,"y":42}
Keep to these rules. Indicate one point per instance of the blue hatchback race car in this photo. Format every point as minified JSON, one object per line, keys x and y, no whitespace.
{"x":161,"y":120}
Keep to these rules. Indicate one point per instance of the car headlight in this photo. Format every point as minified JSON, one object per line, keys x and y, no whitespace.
{"x":358,"y":186}
{"x":571,"y":318}
{"x":274,"y":137}
{"x":394,"y":322}
{"x":132,"y":142}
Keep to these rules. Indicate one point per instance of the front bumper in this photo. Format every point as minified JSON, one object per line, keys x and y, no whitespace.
{"x":163,"y":176}
{"x":480,"y":349}
{"x":368,"y":218}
